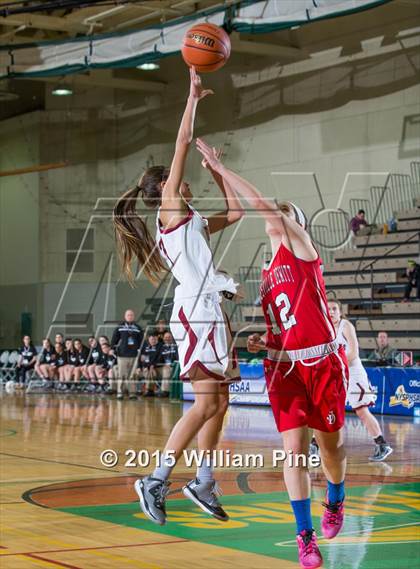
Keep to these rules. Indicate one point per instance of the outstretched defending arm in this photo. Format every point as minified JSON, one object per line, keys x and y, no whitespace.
{"x":278,"y":223}
{"x":234,"y":210}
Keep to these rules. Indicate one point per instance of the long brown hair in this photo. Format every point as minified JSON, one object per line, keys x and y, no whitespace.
{"x":134,"y":240}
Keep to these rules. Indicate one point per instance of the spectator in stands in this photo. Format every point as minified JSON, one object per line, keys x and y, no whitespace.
{"x":413,"y":276}
{"x":103,"y":340}
{"x":358,"y":222}
{"x":107,"y":364}
{"x":150,"y":361}
{"x":59,"y":363}
{"x":71,"y":356}
{"x":43,"y":366}
{"x":26,"y":362}
{"x":82,"y":353}
{"x":93,"y":368}
{"x":384,"y":353}
{"x":169,"y":355}
{"x":127,"y":340}
{"x":359,"y":226}
{"x":161,"y":329}
{"x":59,"y":338}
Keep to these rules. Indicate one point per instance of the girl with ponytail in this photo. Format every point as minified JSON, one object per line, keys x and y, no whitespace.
{"x":198,"y":323}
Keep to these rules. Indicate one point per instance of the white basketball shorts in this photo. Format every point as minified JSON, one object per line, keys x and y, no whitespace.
{"x":202,"y":332}
{"x":360,"y":392}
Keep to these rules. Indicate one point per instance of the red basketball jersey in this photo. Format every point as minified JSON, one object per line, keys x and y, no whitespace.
{"x":295,"y":303}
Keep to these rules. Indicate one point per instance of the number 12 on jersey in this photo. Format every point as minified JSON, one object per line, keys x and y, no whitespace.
{"x":282,"y":304}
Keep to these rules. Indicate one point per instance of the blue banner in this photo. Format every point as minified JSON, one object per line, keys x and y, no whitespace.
{"x":397,"y":389}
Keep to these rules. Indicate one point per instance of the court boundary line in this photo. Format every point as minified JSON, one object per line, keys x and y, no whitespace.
{"x":57,"y":462}
{"x":52,"y":561}
{"x":69,"y":550}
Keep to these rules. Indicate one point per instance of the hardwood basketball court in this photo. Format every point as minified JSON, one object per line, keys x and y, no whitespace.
{"x":62,"y":508}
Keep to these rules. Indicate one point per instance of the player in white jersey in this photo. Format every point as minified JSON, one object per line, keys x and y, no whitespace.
{"x":198,"y":322}
{"x":360,"y":394}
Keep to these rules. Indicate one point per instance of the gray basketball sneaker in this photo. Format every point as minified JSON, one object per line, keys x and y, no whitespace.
{"x":382,"y":451}
{"x":152,"y":493}
{"x":204,"y":494}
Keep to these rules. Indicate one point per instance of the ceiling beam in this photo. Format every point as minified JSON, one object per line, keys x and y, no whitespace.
{"x":266,"y":49}
{"x":44,"y":23}
{"x":105,"y":78}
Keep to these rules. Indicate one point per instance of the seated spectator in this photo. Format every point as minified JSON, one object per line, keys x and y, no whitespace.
{"x":103,"y":340}
{"x":150,"y":359}
{"x":26,"y":362}
{"x":59,"y":363}
{"x":59,"y":339}
{"x":72,"y":359}
{"x":43,"y":366}
{"x":384,"y":353}
{"x":82,"y":353}
{"x":93,"y":363}
{"x":358,"y":222}
{"x":413,"y":276}
{"x":161,"y":329}
{"x":359,"y":226}
{"x":169,"y":355}
{"x":106,"y":369}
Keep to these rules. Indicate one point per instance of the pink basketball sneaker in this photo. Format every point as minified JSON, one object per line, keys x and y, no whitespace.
{"x":309,"y":555}
{"x":333,"y":518}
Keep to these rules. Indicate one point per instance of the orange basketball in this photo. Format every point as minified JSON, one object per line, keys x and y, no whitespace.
{"x":206,"y":47}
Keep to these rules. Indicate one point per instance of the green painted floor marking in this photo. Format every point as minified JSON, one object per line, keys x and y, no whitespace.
{"x":380,"y":529}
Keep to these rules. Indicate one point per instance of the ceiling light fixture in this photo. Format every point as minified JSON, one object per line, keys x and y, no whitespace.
{"x":62,"y":91}
{"x":149,"y":66}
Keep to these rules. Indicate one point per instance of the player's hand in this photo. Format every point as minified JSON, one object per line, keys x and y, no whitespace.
{"x":255,"y":344}
{"x":209,"y":154}
{"x":196,"y":89}
{"x":217,"y":152}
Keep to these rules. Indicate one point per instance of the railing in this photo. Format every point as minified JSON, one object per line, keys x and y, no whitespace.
{"x":415,"y":176}
{"x":398,"y":193}
{"x":371,"y":265}
{"x":320,"y":236}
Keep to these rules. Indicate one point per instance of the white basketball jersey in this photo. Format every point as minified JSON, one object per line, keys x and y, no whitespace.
{"x":186,"y":250}
{"x":356,"y":363}
{"x":340,"y":337}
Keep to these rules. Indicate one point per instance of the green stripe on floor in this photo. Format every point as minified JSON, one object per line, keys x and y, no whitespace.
{"x":380,"y":530}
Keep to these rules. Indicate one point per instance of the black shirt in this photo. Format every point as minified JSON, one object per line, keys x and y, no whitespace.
{"x":82,"y":356}
{"x":27,"y":353}
{"x":107,"y":361}
{"x":47,"y":356}
{"x":72,"y":358}
{"x":95,"y":355}
{"x":169,"y":353}
{"x":152,"y":355}
{"x":60,"y":359}
{"x":127,"y":339}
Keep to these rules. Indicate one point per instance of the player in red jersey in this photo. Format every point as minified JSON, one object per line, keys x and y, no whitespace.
{"x":309,"y":390}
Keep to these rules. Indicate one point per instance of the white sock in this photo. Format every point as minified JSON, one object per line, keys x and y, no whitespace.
{"x":205,"y":471}
{"x":164,"y":470}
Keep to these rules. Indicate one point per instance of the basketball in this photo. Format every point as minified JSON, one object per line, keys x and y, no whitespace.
{"x":206,"y":47}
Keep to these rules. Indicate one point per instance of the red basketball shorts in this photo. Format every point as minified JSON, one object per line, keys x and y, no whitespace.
{"x":312,"y":396}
